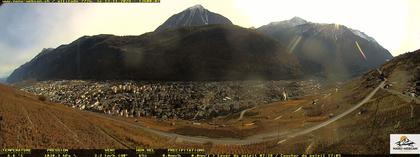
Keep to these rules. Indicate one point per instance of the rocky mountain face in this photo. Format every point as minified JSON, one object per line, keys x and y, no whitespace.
{"x":194,"y":16}
{"x":197,"y":44}
{"x":328,"y":50}
{"x":210,"y":52}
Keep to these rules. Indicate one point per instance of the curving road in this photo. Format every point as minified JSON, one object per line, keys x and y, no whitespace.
{"x":244,"y":111}
{"x":251,"y":139}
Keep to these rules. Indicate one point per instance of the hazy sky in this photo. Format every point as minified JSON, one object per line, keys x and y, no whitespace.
{"x":27,"y":28}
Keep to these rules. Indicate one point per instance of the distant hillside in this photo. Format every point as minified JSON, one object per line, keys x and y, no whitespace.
{"x":3,"y":80}
{"x":194,"y":16}
{"x":409,"y":62}
{"x":330,"y":50}
{"x":367,"y":129}
{"x":404,"y":72}
{"x":211,"y":52}
{"x":41,"y":124}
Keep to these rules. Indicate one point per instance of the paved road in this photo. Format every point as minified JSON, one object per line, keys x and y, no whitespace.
{"x":251,"y":139}
{"x":366,"y":99}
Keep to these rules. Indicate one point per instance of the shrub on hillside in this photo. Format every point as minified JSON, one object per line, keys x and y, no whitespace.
{"x":42,"y":98}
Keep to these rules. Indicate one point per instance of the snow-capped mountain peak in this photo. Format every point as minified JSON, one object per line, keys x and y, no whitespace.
{"x":196,"y":7}
{"x":362,"y":35}
{"x":195,"y":11}
{"x":193,"y":16}
{"x":297,"y":21}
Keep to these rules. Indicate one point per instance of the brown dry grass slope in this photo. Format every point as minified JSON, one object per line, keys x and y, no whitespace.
{"x":27,"y":122}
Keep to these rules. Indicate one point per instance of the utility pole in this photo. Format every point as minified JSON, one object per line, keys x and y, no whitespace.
{"x":412,"y":110}
{"x":1,"y":120}
{"x":278,"y":132}
{"x":413,"y":102}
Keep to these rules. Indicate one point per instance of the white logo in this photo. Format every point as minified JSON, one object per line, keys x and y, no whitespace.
{"x":404,"y":143}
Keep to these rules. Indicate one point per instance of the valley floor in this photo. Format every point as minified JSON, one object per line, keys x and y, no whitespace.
{"x":332,"y":120}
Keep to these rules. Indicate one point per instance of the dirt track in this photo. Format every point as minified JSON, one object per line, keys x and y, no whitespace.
{"x":404,"y":97}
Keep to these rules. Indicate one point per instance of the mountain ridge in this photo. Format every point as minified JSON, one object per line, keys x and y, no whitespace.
{"x":331,"y":50}
{"x":209,"y":52}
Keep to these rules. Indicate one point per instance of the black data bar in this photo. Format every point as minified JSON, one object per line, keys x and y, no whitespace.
{"x":150,"y":153}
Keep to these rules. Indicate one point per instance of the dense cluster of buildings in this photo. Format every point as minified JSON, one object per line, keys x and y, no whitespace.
{"x":164,"y":100}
